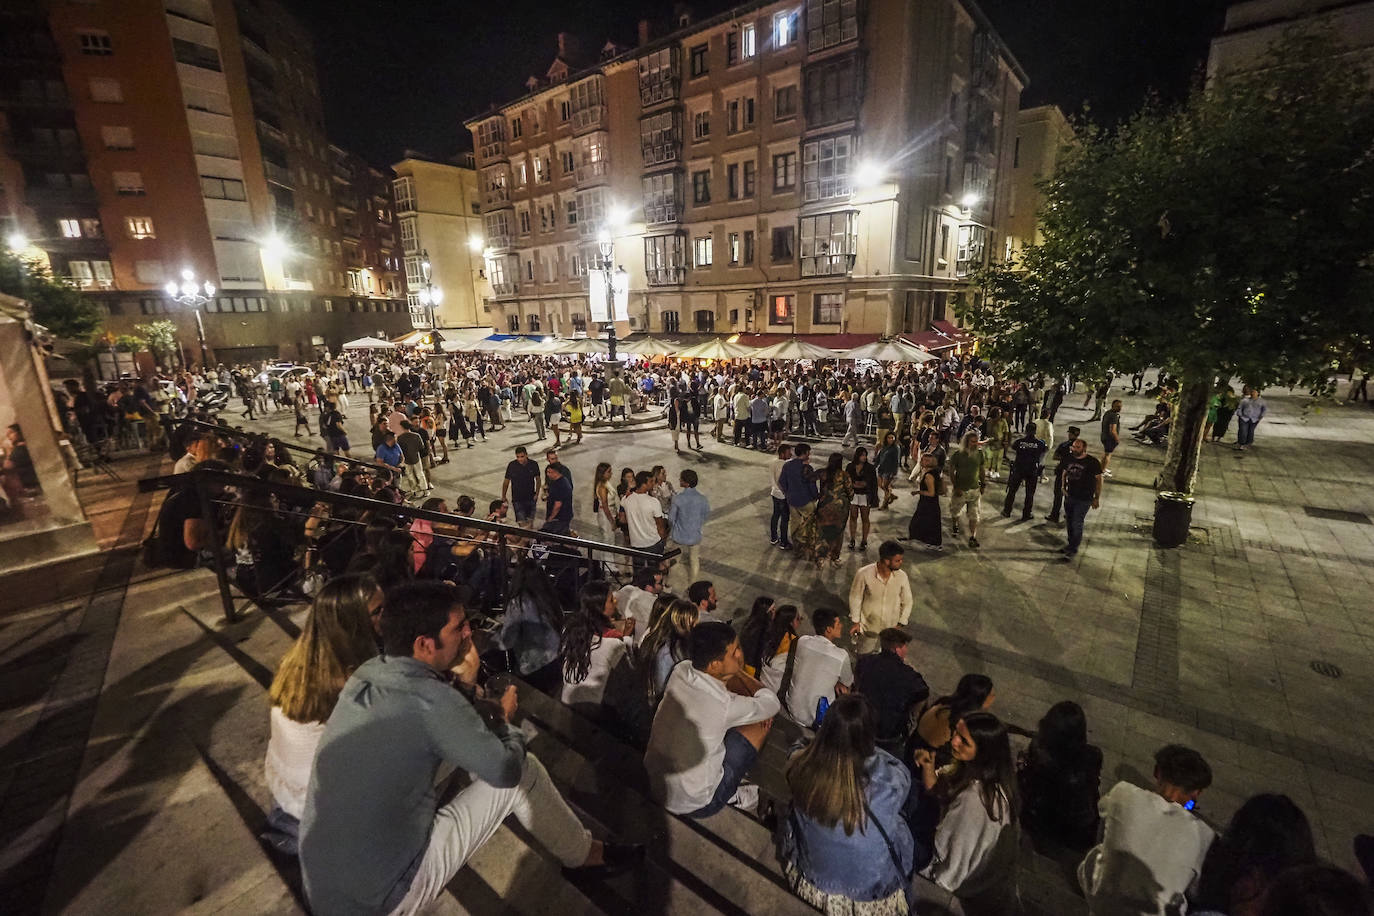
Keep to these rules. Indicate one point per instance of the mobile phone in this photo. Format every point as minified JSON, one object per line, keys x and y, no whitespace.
{"x":1190,"y":804}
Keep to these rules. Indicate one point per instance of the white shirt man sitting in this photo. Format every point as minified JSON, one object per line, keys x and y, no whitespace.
{"x":637,"y":599}
{"x":820,"y":669}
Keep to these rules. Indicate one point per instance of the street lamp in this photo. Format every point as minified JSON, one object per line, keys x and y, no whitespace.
{"x":190,"y":294}
{"x":606,"y":244}
{"x":429,"y":298}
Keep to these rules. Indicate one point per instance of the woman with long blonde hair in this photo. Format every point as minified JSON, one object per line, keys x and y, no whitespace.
{"x":337,"y":637}
{"x":845,"y":847}
{"x":665,"y":644}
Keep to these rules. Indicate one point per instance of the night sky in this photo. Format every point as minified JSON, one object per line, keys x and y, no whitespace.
{"x":405,"y":75}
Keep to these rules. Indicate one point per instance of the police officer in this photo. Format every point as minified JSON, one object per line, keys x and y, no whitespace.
{"x":1028,"y":455}
{"x":1061,"y":455}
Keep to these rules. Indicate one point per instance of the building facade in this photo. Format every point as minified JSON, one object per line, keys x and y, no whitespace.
{"x":830,"y":167}
{"x":1041,"y":135}
{"x":439,"y":216}
{"x":1251,"y":28}
{"x":201,"y":133}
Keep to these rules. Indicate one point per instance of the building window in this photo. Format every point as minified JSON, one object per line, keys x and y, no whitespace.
{"x":513,"y":323}
{"x":829,"y":243}
{"x":570,"y":211}
{"x":222,"y":188}
{"x":701,"y":251}
{"x":832,"y":92}
{"x":663,"y":259}
{"x":1016,"y":154}
{"x":748,"y":41}
{"x":195,"y":55}
{"x":491,"y":138}
{"x":973,"y":242}
{"x":410,"y":238}
{"x":522,"y":221}
{"x":90,"y":228}
{"x":701,"y":187}
{"x":784,"y":28}
{"x":105,"y":89}
{"x":739,"y":114}
{"x":566,"y":161}
{"x":543,"y":173}
{"x":830,"y":22}
{"x":785,"y":172}
{"x":140,"y":227}
{"x":578,"y":322}
{"x":670,"y":321}
{"x":700,"y":65}
{"x":784,"y":239}
{"x":782,"y":309}
{"x":741,"y":248}
{"x":532,"y":321}
{"x":827,"y":308}
{"x":658,"y":76}
{"x":785,"y":102}
{"x":740,"y":180}
{"x":701,"y":125}
{"x":95,"y":42}
{"x":564,"y":109}
{"x":517,"y":129}
{"x":663,"y":198}
{"x":149,"y":272}
{"x":660,"y":137}
{"x":117,"y":137}
{"x":825,"y":168}
{"x":70,"y":228}
{"x":404,"y":189}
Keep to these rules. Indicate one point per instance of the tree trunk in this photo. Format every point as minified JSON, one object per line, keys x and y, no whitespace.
{"x":1185,"y":435}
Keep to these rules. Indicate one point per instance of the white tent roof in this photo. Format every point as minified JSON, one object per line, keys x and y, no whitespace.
{"x":369,"y":343}
{"x":716,"y":349}
{"x":795,"y":349}
{"x":890,"y":351}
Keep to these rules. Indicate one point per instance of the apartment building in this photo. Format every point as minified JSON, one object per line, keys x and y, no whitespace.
{"x":439,"y":215}
{"x":199,"y":147}
{"x":829,"y":167}
{"x":1041,"y":135}
{"x":1253,"y":26}
{"x":366,"y":217}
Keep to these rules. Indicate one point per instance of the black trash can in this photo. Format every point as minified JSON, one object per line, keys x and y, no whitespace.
{"x":1173,"y":515}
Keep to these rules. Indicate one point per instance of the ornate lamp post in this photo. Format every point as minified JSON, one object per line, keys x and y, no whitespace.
{"x":193,"y":296}
{"x":430,"y":297}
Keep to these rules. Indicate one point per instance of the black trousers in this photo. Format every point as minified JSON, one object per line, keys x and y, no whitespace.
{"x":1018,"y":477}
{"x":1058,"y":495}
{"x":741,"y":431}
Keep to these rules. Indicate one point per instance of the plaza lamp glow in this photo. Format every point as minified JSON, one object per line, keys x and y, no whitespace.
{"x":868,"y":173}
{"x":969,"y":201}
{"x":614,"y":281}
{"x":193,"y":296}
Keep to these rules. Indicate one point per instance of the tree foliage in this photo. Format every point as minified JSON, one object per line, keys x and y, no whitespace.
{"x":1230,"y":235}
{"x":161,"y":338}
{"x":57,"y":305}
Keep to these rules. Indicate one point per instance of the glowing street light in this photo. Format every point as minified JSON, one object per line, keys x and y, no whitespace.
{"x":970,"y":200}
{"x":868,"y":174}
{"x":16,"y":241}
{"x":193,"y":296}
{"x":474,"y":243}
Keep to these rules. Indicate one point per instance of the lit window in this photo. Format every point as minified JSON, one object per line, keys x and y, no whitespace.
{"x":782,"y":309}
{"x":784,"y":29}
{"x":71,"y":228}
{"x":748,"y":44}
{"x":701,"y":251}
{"x":140,"y":227}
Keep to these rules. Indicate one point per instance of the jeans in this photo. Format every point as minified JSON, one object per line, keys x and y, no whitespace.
{"x":1018,"y":477}
{"x":463,"y":825}
{"x":1076,"y":510}
{"x":777,"y":525}
{"x":1245,"y":431}
{"x":741,"y":431}
{"x":758,"y":435}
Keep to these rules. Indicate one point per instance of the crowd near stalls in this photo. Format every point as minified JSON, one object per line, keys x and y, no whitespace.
{"x":895,"y":789}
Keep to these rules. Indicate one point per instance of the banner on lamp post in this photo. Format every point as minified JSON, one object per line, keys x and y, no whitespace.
{"x":619,"y":308}
{"x":620,"y":295}
{"x":596,"y":296}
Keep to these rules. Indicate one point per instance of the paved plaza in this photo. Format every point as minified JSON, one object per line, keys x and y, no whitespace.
{"x":1252,"y":643}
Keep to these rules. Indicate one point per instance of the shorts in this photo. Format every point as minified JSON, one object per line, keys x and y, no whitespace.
{"x":690,"y":425}
{"x":860,"y":500}
{"x":740,"y":756}
{"x":524,"y":511}
{"x":776,"y":425}
{"x":340,"y":443}
{"x":1109,"y":447}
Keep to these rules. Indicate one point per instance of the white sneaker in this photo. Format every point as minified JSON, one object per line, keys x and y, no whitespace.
{"x":746,"y":797}
{"x":1108,"y":473}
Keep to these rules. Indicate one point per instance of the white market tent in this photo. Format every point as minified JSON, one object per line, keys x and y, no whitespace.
{"x":890,"y":351}
{"x":369,"y":343}
{"x":716,"y":349}
{"x":648,"y":346}
{"x":585,"y":346}
{"x":795,"y":349}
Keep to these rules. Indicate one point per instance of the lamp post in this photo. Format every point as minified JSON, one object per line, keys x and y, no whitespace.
{"x":193,"y":296}
{"x":606,"y":245}
{"x":429,"y":298}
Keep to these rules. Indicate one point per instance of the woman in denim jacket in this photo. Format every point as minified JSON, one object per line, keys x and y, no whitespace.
{"x":844,"y":846}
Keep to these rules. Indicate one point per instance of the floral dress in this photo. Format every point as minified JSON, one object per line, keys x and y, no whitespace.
{"x":822,"y":533}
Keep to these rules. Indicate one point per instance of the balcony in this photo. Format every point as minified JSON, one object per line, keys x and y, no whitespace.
{"x":495,"y":197}
{"x":267,"y":129}
{"x":661,"y":151}
{"x":827,"y":265}
{"x":349,"y":233}
{"x":505,"y":290}
{"x":346,"y":203}
{"x":587,"y":172}
{"x":593,"y":117}
{"x":277,"y":175}
{"x":662,"y":214}
{"x":666,"y":276}
{"x":493,"y":151}
{"x":43,"y":196}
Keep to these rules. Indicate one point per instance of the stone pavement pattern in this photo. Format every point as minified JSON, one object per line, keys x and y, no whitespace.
{"x":1212,"y":645}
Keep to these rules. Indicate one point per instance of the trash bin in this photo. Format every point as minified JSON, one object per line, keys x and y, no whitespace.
{"x":1173,"y":515}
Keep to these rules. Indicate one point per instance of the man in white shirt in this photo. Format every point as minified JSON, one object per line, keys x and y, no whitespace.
{"x":644,"y":517}
{"x":1152,"y":843}
{"x":709,"y":727}
{"x":820,"y":669}
{"x":880,"y":597}
{"x":720,"y":410}
{"x":637,"y":599}
{"x":740,"y":403}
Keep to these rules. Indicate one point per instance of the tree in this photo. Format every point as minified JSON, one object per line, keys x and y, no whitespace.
{"x":161,"y":338}
{"x":57,"y":305}
{"x":1228,"y":236}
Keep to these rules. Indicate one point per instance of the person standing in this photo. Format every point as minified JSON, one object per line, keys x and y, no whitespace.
{"x":644,"y":518}
{"x":1028,"y":457}
{"x":414,"y":480}
{"x":1082,"y":491}
{"x":758,"y":421}
{"x":925,"y":525}
{"x":1226,"y":409}
{"x":720,"y":408}
{"x":521,"y":484}
{"x":559,"y":490}
{"x":1111,"y":436}
{"x":740,"y":405}
{"x":777,"y":525}
{"x":686,"y":517}
{"x":1248,"y":415}
{"x":1061,"y":455}
{"x":969,"y":480}
{"x":879,"y":596}
{"x":893,"y":687}
{"x":853,"y":420}
{"x":797,"y":480}
{"x":864,"y":479}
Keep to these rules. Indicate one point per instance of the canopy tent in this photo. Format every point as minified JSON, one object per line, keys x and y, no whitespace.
{"x":890,"y":351}
{"x":716,"y":349}
{"x":648,"y":346}
{"x":585,"y":346}
{"x":531,"y":347}
{"x":413,"y":339}
{"x":498,"y":346}
{"x":795,"y":349}
{"x":455,"y":339}
{"x":369,"y":343}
